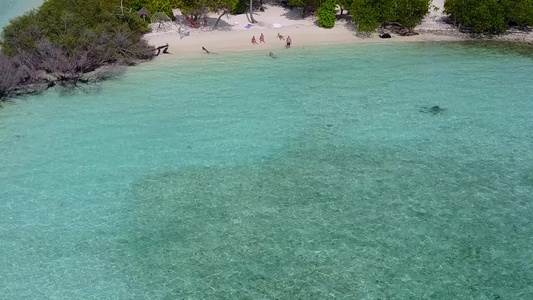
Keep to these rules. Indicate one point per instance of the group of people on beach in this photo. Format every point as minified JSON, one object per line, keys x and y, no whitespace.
{"x":288,"y":41}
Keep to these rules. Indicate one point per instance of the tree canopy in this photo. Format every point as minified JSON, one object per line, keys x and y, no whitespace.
{"x":370,"y":14}
{"x":154,"y":6}
{"x":70,"y":24}
{"x":326,"y":14}
{"x":490,"y":16}
{"x":67,"y":38}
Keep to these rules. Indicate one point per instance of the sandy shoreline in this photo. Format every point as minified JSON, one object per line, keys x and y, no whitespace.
{"x":306,"y":35}
{"x":232,"y":36}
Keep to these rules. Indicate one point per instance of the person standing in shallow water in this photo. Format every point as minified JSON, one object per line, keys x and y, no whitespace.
{"x":262,"y":38}
{"x":254,"y":42}
{"x":289,"y":41}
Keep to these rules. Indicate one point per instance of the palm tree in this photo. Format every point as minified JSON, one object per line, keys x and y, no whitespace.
{"x":252,"y":12}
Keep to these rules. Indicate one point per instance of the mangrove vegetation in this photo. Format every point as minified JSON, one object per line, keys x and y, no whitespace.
{"x":65,"y":40}
{"x":490,"y":16}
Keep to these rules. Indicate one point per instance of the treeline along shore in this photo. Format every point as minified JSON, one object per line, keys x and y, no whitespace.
{"x":68,"y":43}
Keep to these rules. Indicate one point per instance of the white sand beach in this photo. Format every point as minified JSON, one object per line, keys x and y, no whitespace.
{"x":232,"y":34}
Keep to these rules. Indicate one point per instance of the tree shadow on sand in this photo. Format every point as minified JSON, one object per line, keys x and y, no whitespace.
{"x":224,"y":24}
{"x":293,"y":14}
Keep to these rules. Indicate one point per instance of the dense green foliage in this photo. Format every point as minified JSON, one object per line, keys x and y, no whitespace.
{"x":71,"y":25}
{"x":492,"y":16}
{"x":370,"y":14}
{"x":68,"y":38}
{"x":153,"y":6}
{"x":326,"y":14}
{"x":240,"y":7}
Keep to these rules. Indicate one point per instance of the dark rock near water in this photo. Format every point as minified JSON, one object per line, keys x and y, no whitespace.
{"x":432,"y":110}
{"x":385,"y":36}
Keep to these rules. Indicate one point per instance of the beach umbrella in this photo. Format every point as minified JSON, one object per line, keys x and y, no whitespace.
{"x":144,"y":12}
{"x":160,"y":17}
{"x":164,"y":22}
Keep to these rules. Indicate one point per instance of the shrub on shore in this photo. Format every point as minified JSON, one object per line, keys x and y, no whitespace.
{"x":326,"y":14}
{"x":370,"y":14}
{"x":490,"y":16}
{"x":65,"y":39}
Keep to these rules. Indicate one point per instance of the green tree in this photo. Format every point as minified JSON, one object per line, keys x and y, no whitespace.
{"x":326,"y":14}
{"x":153,"y":6}
{"x":240,"y":7}
{"x":490,"y":16}
{"x":192,"y":8}
{"x":409,"y":12}
{"x":480,"y":15}
{"x":22,"y":33}
{"x":220,"y":6}
{"x":67,"y":38}
{"x":519,"y":12}
{"x":370,"y":14}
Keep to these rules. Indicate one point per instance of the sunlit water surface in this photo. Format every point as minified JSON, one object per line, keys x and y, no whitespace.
{"x":316,"y":175}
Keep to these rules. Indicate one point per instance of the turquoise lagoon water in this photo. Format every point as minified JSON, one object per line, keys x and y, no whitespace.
{"x":310,"y":176}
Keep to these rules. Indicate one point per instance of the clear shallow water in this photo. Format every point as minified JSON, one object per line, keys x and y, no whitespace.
{"x":10,"y":9}
{"x":311,"y":176}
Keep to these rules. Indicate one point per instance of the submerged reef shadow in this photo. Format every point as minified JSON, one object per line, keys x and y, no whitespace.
{"x":352,"y":218}
{"x":433,"y":110}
